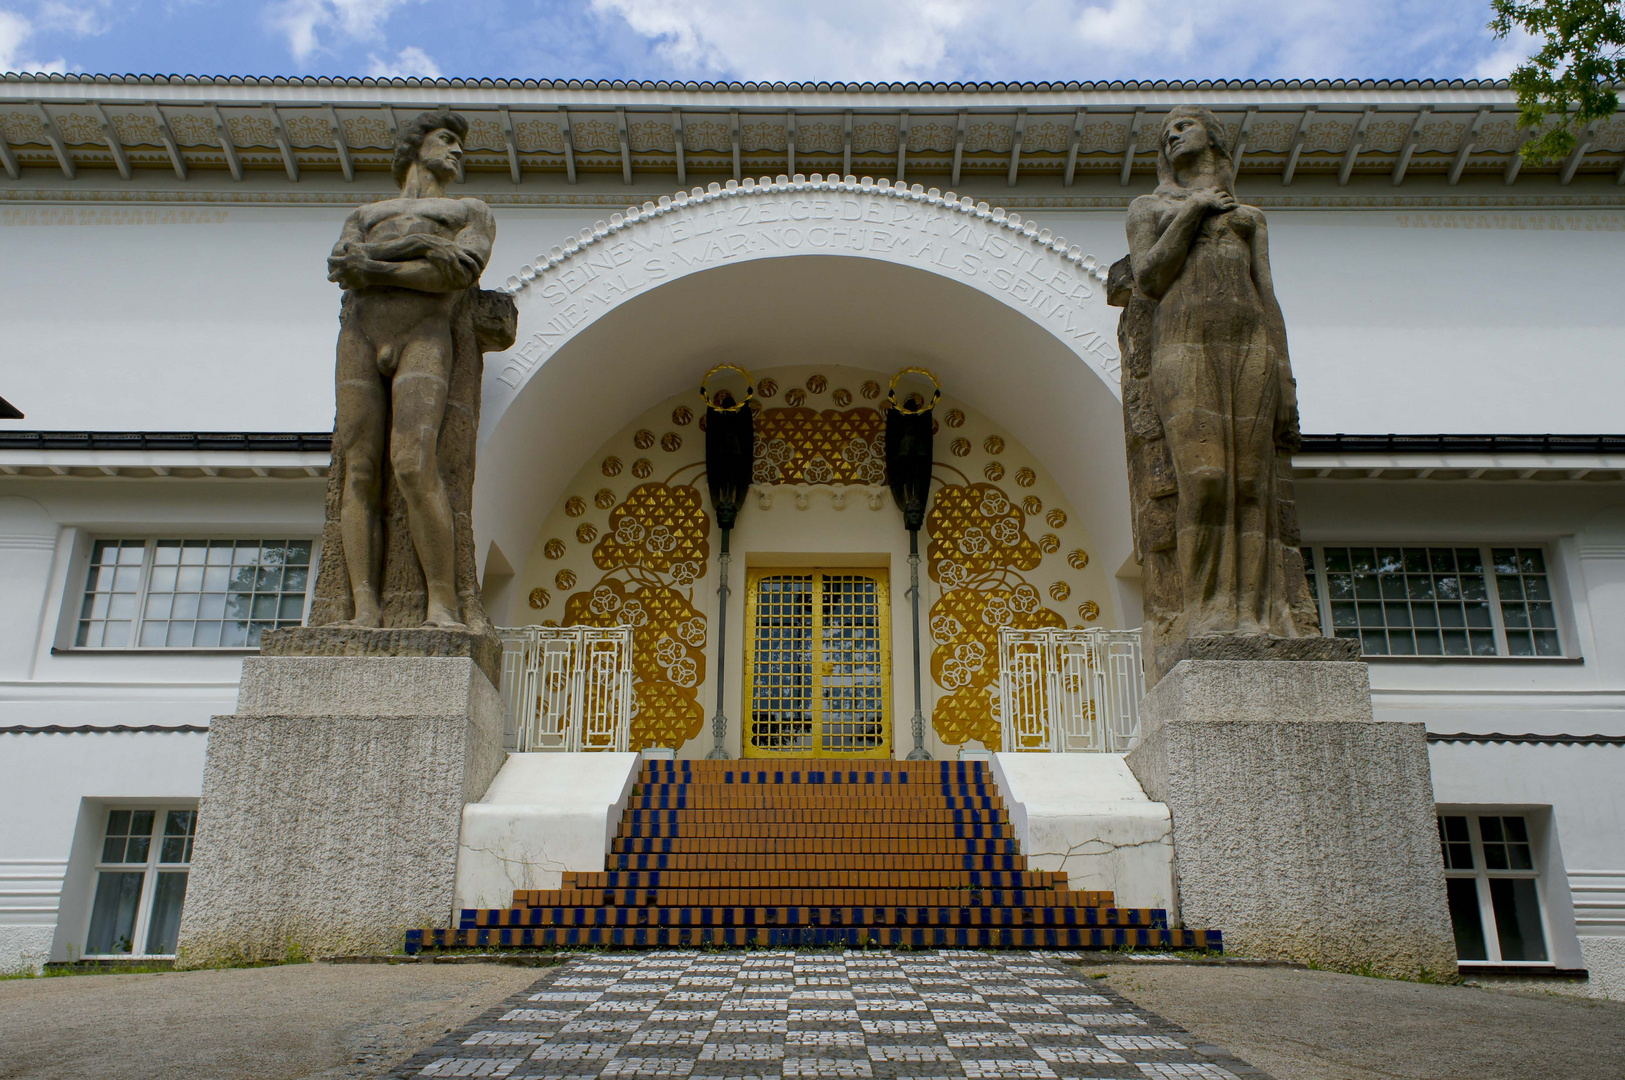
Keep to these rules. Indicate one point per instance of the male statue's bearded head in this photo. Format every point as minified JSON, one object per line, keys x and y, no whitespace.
{"x":433,"y":142}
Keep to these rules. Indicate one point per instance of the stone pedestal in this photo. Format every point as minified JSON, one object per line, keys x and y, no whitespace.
{"x":1303,"y":827}
{"x":332,"y":802}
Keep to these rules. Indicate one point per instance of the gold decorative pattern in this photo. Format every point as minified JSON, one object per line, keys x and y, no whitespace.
{"x":1089,"y":611}
{"x":565,"y":580}
{"x":798,"y":445}
{"x":959,"y":448}
{"x":671,"y":442}
{"x":965,"y":657}
{"x":643,"y":439}
{"x":870,"y":389}
{"x":642,"y":468}
{"x":1077,"y":558}
{"x":1060,"y":591}
{"x":612,"y":466}
{"x":1056,"y":518}
{"x":575,"y":506}
{"x":586,"y":534}
{"x":1026,"y":477}
{"x":682,"y":416}
{"x":978,"y":538}
{"x":1049,"y":543}
{"x":604,"y":499}
{"x":817,"y":384}
{"x":795,"y":396}
{"x":767,"y":388}
{"x":842,"y":398}
{"x":1032,"y":506}
{"x":993,"y":445}
{"x":554,"y":549}
{"x":993,"y":471}
{"x":658,"y":528}
{"x":540,"y":598}
{"x":955,"y":418}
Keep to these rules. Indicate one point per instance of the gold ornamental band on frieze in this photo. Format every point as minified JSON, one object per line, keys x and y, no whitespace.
{"x":915,"y":369}
{"x":750,"y":388}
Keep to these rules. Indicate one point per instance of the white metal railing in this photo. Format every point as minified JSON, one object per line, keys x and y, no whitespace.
{"x":567,"y":688}
{"x":1069,"y":691}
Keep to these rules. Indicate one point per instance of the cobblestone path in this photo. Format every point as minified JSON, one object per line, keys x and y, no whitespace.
{"x":767,"y":1015}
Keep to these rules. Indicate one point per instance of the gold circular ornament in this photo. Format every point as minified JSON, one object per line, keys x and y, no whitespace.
{"x":1056,"y":518}
{"x":575,"y":506}
{"x":682,"y":416}
{"x":842,"y":398}
{"x":993,"y":471}
{"x":959,"y":447}
{"x":870,"y":389}
{"x":1049,"y":543}
{"x":641,"y":468}
{"x":565,"y":579}
{"x":554,"y":548}
{"x":671,"y":442}
{"x":955,"y":418}
{"x":604,"y":499}
{"x":993,"y":444}
{"x":767,"y":388}
{"x":817,"y":384}
{"x":612,"y":466}
{"x":586,"y":534}
{"x":550,"y":622}
{"x":1032,"y":506}
{"x":643,"y":439}
{"x":1026,"y":477}
{"x":1089,"y":611}
{"x":794,"y":396}
{"x":1060,"y":591}
{"x":921,"y":390}
{"x":1077,"y":558}
{"x":731,"y":392}
{"x":540,"y":598}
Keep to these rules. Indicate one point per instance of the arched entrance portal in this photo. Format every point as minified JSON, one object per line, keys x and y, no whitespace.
{"x":1019,"y":333}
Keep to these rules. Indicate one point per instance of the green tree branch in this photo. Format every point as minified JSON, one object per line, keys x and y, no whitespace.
{"x":1572,"y":80}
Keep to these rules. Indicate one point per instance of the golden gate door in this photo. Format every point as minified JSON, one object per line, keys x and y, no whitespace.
{"x":817,"y":663}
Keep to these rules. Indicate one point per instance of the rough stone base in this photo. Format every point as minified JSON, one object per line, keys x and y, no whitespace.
{"x":1303,"y":828}
{"x":1229,"y":647}
{"x":332,"y":802}
{"x":401,"y":641}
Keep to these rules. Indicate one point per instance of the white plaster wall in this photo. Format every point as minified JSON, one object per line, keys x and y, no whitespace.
{"x":52,"y":804}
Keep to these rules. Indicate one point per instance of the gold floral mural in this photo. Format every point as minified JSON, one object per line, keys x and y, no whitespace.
{"x":832,"y":446}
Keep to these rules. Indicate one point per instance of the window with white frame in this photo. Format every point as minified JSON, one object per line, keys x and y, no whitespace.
{"x":1493,"y":888}
{"x":1436,"y":601}
{"x":191,"y":594}
{"x":141,"y":876}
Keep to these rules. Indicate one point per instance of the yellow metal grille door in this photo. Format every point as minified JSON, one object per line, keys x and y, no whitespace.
{"x":818,"y":666}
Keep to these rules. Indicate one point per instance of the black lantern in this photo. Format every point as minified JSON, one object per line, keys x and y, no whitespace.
{"x":730,"y":449}
{"x":914,"y":393}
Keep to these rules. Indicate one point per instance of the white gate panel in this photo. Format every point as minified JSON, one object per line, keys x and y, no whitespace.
{"x":568,"y":688}
{"x":1070,"y":691}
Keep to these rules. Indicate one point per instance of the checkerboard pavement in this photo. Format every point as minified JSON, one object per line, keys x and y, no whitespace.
{"x":782,"y":1015}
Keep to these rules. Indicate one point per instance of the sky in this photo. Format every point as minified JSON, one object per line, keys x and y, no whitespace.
{"x":764,"y":40}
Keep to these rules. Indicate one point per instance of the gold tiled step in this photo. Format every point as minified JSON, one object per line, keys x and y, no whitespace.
{"x":728,"y":915}
{"x":890,"y":862}
{"x":774,"y":823}
{"x":856,"y":937}
{"x":810,"y":845}
{"x":754,"y":897}
{"x":804,"y":878}
{"x":750,"y":800}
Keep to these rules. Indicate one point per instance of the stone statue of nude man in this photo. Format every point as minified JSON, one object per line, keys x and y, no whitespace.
{"x":404,"y":263}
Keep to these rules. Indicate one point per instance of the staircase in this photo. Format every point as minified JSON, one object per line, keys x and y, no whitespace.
{"x":814,"y":853}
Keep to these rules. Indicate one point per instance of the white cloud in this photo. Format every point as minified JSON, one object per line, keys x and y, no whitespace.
{"x":1056,"y":39}
{"x":14,"y":34}
{"x":408,"y":62}
{"x":1518,"y":46}
{"x":80,"y":20}
{"x":305,"y":23}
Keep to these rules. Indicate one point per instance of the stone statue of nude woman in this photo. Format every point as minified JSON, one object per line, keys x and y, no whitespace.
{"x":404,"y":264}
{"x":1221,"y":386}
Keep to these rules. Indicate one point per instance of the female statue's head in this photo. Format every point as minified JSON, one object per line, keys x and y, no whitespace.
{"x":1193,"y":142}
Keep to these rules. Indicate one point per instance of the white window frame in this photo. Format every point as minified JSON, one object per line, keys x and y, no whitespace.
{"x":149,"y":881}
{"x":79,"y":580}
{"x":1492,"y":587}
{"x":1481,"y":874}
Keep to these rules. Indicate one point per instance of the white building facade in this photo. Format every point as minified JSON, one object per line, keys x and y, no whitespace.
{"x":169,"y":339}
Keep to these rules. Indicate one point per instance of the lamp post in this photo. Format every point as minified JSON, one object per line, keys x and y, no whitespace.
{"x":730,"y":444}
{"x":914,"y":393}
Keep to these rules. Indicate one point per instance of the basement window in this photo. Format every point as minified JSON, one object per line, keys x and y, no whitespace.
{"x":1493,"y":889}
{"x":141,"y":876}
